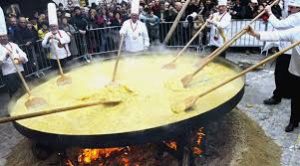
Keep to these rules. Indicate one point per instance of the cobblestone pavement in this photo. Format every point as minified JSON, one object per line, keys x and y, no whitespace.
{"x":260,"y":85}
{"x":273,"y":119}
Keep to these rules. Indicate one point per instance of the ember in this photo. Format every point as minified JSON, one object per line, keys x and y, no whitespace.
{"x":134,"y":155}
{"x":171,"y":144}
{"x":198,"y":147}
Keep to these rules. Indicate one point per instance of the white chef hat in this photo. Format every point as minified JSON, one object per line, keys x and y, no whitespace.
{"x":52,"y":16}
{"x":222,"y":2}
{"x":135,"y":6}
{"x":3,"y":30}
{"x":295,"y":3}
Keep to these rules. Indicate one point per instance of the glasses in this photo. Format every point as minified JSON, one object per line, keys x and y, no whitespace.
{"x":22,"y":22}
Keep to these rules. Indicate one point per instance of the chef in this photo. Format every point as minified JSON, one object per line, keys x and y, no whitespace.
{"x":219,"y":24}
{"x":56,"y":39}
{"x":10,"y":76}
{"x":281,"y":73}
{"x":291,"y":35}
{"x":135,"y":32}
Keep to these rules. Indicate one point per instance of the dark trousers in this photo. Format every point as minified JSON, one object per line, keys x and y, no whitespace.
{"x":12,"y":83}
{"x":295,"y":99}
{"x":223,"y":54}
{"x":282,"y":77}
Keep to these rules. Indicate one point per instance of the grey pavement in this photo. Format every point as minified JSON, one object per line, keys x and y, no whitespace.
{"x":260,"y":85}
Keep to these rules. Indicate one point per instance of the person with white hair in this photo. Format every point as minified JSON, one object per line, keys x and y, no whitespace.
{"x":57,"y":40}
{"x":8,"y":49}
{"x":219,"y":23}
{"x":134,"y":31}
{"x":281,"y":74}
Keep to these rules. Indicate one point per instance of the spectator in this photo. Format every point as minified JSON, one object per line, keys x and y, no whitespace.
{"x":102,"y":18}
{"x":41,"y":20}
{"x":70,"y":30}
{"x":42,"y":32}
{"x":192,"y":7}
{"x":22,"y":34}
{"x":110,"y":18}
{"x":236,"y":11}
{"x":78,"y":21}
{"x":12,"y":28}
{"x":152,"y":24}
{"x":32,"y":30}
{"x":156,"y":8}
{"x":118,"y":20}
{"x":92,"y":19}
{"x":33,"y":21}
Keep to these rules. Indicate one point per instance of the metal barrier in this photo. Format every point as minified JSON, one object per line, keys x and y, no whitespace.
{"x":247,"y":40}
{"x":102,"y":41}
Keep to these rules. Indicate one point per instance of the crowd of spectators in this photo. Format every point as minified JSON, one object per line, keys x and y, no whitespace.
{"x":25,"y":30}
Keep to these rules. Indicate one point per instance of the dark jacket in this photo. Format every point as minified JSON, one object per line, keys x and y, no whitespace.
{"x":79,"y":22}
{"x":24,"y":35}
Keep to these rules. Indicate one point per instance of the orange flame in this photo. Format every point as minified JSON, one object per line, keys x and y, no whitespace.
{"x":171,"y":144}
{"x":200,"y":134}
{"x":87,"y":156}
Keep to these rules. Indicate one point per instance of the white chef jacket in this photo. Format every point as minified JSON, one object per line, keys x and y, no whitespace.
{"x":64,"y":39}
{"x":291,"y":21}
{"x":221,"y":21}
{"x":7,"y":65}
{"x":136,"y":36}
{"x":291,"y":35}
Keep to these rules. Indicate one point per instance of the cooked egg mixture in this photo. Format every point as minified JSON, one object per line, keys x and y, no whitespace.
{"x":146,"y":89}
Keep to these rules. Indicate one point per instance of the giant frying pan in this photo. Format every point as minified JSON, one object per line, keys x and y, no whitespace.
{"x":145,"y":114}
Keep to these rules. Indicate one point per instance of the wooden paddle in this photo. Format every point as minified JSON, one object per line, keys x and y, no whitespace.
{"x":63,"y":80}
{"x":118,"y":59}
{"x":32,"y":102}
{"x":172,"y":64}
{"x":177,"y":19}
{"x":57,"y":110}
{"x":188,"y":78}
{"x":191,"y":101}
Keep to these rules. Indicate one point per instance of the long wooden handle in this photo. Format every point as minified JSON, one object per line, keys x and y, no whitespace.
{"x":223,"y":48}
{"x":248,"y":69}
{"x":227,"y":44}
{"x":57,"y":59}
{"x":52,"y":111}
{"x":118,"y":59}
{"x":20,"y":74}
{"x":189,"y":43}
{"x":177,"y":19}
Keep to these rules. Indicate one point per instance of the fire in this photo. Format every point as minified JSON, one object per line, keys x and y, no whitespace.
{"x":171,"y":144}
{"x":197,"y":150}
{"x":87,"y":156}
{"x":134,"y":155}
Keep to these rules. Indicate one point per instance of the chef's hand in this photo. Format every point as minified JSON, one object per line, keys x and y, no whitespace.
{"x":251,"y":32}
{"x":17,"y":61}
{"x":209,"y":21}
{"x":268,"y":10}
